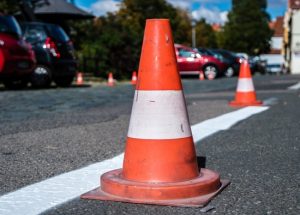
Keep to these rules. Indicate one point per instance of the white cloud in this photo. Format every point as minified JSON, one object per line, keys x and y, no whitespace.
{"x":180,"y":3}
{"x":211,"y":15}
{"x":224,"y":16}
{"x":85,"y":8}
{"x":101,"y":7}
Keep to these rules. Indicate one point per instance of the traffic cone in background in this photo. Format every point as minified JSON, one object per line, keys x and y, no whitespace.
{"x":210,"y":76}
{"x":134,"y":78}
{"x":160,"y":165}
{"x":110,"y":81}
{"x":245,"y":92}
{"x":79,"y":78}
{"x":201,"y":76}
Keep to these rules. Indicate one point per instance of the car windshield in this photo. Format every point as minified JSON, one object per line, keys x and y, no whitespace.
{"x":216,"y":55}
{"x":205,"y":52}
{"x":34,"y":33}
{"x":227,"y":54}
{"x":8,"y":24}
{"x":58,"y":33}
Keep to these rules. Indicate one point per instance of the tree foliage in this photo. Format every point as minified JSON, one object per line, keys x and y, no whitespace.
{"x":205,"y":36}
{"x":9,"y":6}
{"x":117,"y":38}
{"x":247,"y":28}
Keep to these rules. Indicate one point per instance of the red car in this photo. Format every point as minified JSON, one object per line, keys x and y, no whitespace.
{"x":17,"y":59}
{"x":190,"y":62}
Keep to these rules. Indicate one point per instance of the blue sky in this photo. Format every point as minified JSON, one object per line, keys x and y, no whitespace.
{"x":215,"y":11}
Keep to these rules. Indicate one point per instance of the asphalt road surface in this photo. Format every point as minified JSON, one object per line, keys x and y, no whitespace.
{"x":44,"y":133}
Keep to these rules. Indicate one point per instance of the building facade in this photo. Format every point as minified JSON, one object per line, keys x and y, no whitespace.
{"x":291,"y":38}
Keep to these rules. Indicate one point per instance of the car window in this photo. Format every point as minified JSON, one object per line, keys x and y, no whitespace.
{"x":35,"y":34}
{"x":205,"y":52}
{"x":3,"y":26}
{"x":58,"y":33}
{"x":8,"y":24}
{"x":227,"y":54}
{"x":217,"y":55}
{"x":185,"y":53}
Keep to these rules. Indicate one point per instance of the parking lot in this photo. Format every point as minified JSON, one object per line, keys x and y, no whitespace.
{"x":46,"y":133}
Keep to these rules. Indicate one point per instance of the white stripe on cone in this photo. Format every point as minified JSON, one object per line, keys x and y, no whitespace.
{"x":159,"y":114}
{"x":245,"y":85}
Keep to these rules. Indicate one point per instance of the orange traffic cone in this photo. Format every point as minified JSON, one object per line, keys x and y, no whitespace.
{"x":201,"y":76}
{"x":110,"y":81}
{"x":160,"y":165}
{"x":134,"y":78}
{"x":245,"y":92}
{"x":79,"y":79}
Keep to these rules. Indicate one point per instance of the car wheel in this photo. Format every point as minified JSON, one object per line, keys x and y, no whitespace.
{"x":41,"y":77}
{"x":15,"y":84}
{"x":229,"y":72}
{"x":64,"y":81}
{"x":210,"y":72}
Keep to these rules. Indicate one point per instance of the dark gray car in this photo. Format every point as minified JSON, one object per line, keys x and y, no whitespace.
{"x":54,"y":53}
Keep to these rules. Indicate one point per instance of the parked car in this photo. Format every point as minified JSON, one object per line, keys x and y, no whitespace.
{"x":242,"y":55}
{"x":191,"y":62}
{"x":54,"y":53}
{"x":274,"y":63}
{"x":17,"y":58}
{"x":232,"y":61}
{"x":228,"y":71}
{"x":1,"y":59}
{"x":257,"y":65}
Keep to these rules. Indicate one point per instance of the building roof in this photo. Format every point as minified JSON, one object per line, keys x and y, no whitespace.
{"x":294,"y":4}
{"x":62,"y":9}
{"x":277,"y":26}
{"x":216,"y":27}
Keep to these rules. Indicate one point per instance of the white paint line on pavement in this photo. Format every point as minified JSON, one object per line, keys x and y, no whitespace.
{"x":41,"y":196}
{"x":270,"y":101}
{"x":294,"y":87}
{"x":223,"y":122}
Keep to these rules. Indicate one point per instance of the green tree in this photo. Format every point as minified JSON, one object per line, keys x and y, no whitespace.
{"x":8,"y":6}
{"x":247,"y":28}
{"x":205,"y":36}
{"x":117,"y":38}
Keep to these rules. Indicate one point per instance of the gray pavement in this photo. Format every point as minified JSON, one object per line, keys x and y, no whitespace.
{"x":48,"y":132}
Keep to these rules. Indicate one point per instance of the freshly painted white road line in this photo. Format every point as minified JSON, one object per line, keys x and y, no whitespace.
{"x":295,"y":87}
{"x":270,"y":101}
{"x":41,"y":196}
{"x":223,"y":122}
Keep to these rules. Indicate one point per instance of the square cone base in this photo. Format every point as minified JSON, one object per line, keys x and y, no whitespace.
{"x":198,"y":201}
{"x":245,"y":104}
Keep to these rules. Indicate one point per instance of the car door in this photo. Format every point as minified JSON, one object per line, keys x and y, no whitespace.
{"x":188,"y":60}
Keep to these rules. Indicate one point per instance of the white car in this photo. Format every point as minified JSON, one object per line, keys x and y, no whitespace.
{"x":274,"y":62}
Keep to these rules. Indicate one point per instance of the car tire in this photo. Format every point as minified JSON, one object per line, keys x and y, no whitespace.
{"x":65,"y":81}
{"x":15,"y":84}
{"x":229,"y":72}
{"x":41,"y":77}
{"x":210,"y":72}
